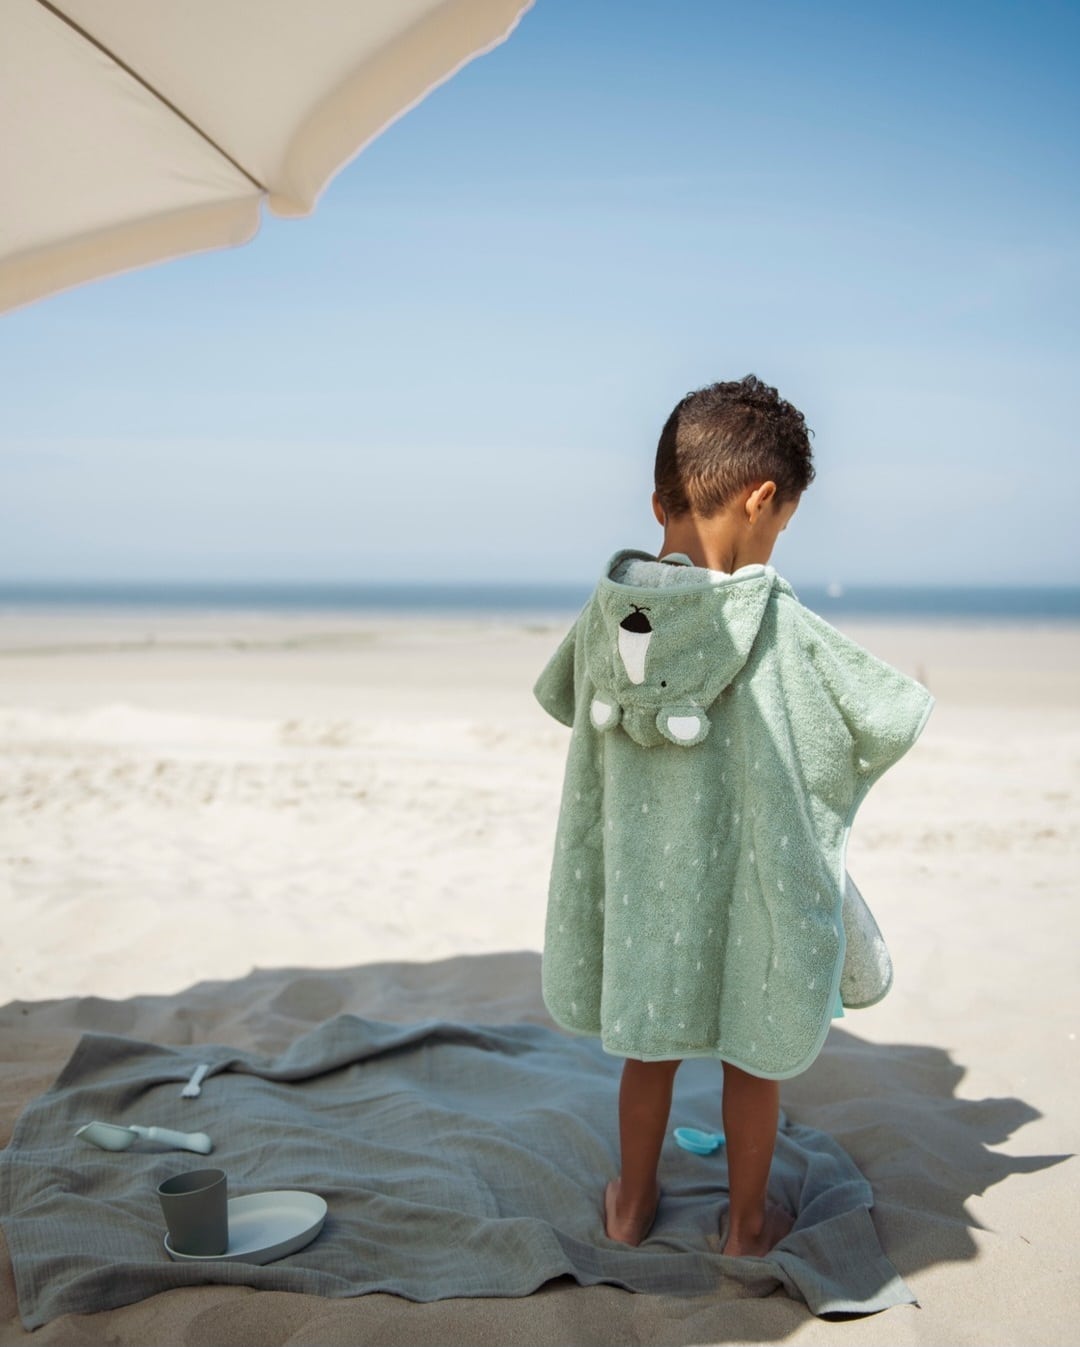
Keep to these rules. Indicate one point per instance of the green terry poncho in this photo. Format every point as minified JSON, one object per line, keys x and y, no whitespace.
{"x":723,"y":738}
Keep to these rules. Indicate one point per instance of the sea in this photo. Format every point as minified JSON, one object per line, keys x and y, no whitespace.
{"x":983,"y":603}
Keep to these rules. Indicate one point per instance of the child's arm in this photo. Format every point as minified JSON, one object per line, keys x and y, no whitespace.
{"x":884,"y":710}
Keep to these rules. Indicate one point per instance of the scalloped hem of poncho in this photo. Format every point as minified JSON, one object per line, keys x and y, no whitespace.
{"x":681,"y":1054}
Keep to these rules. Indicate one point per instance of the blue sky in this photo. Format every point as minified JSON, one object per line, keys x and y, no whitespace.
{"x":460,"y":364}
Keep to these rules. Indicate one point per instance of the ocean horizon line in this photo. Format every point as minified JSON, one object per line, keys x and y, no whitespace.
{"x":1015,"y":601}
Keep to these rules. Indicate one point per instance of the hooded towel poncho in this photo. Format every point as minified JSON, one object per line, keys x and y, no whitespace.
{"x":723,"y":738}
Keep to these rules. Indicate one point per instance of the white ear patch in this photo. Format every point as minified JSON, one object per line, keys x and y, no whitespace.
{"x":683,"y":725}
{"x":602,"y":714}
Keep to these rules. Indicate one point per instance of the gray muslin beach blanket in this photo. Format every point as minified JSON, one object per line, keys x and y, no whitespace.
{"x":456,"y":1160}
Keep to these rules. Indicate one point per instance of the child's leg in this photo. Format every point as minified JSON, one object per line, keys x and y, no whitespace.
{"x":751,"y":1115}
{"x":630,"y":1201}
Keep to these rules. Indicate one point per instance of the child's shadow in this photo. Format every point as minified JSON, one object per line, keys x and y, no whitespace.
{"x":894,"y":1109}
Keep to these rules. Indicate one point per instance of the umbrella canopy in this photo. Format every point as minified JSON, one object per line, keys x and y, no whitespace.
{"x":137,"y":130}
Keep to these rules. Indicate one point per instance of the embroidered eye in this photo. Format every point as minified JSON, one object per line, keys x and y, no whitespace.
{"x":663,"y":682}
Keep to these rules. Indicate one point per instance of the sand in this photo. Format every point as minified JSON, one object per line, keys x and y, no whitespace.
{"x":227,"y":827}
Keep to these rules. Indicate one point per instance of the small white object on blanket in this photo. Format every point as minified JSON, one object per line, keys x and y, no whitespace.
{"x":193,"y":1088}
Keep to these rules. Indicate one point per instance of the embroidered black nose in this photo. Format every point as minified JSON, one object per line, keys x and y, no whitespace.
{"x":636,"y":621}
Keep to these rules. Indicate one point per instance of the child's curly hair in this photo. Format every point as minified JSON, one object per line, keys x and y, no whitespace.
{"x":726,"y":437}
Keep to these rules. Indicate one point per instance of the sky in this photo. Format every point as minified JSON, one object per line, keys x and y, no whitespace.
{"x":458,"y":367}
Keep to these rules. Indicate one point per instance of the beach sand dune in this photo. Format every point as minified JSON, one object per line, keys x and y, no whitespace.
{"x":222,"y":827}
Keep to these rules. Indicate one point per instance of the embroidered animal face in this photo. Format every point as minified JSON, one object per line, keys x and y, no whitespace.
{"x":684,"y":720}
{"x":657,"y":656}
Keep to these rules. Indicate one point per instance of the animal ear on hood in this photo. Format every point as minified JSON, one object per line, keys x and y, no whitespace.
{"x":685,"y":725}
{"x":605,"y":715}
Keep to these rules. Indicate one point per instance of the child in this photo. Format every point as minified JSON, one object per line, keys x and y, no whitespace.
{"x":723,"y":739}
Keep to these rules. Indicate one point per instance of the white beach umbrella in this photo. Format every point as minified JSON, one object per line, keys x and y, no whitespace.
{"x":136,"y":130}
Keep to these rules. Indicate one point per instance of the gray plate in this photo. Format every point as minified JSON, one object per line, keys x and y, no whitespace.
{"x":265,"y":1226}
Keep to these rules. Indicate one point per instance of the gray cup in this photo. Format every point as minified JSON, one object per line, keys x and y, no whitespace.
{"x":196,"y":1211}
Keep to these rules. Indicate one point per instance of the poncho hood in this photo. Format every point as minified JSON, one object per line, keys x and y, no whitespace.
{"x":664,"y":639}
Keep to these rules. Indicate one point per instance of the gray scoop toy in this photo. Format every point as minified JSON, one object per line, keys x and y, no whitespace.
{"x":112,"y":1137}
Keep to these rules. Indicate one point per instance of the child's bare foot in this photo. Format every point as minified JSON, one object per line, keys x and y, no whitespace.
{"x":628,"y":1225}
{"x":754,"y":1240}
